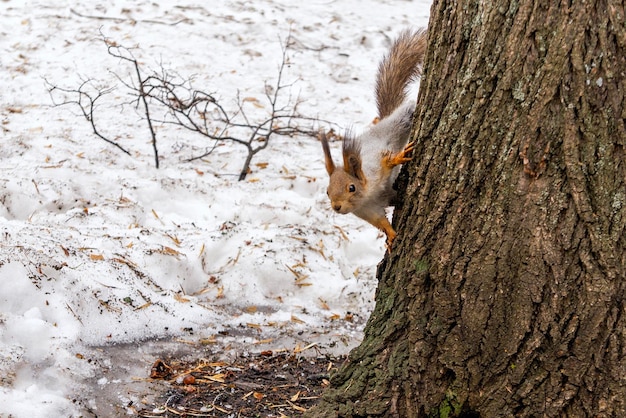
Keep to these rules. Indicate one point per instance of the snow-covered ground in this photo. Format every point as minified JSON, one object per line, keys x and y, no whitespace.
{"x":107,"y":262}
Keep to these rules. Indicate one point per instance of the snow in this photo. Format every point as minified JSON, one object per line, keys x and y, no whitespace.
{"x":107,"y":262}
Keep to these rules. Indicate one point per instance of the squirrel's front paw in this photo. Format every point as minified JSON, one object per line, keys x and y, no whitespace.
{"x":392,"y":160}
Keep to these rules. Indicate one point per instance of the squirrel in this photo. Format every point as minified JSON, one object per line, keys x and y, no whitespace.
{"x":364,"y":185}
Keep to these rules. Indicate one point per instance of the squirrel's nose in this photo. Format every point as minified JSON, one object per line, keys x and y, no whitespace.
{"x":337,"y":207}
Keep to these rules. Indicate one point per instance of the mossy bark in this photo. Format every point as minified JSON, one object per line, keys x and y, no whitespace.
{"x":504,"y":294}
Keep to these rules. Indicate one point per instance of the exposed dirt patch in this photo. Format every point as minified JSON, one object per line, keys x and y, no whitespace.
{"x":267,"y":384}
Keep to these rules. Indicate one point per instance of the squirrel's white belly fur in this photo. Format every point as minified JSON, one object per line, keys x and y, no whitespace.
{"x":389,"y":134}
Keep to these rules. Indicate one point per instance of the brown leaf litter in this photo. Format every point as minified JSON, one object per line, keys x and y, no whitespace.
{"x":269,"y":384}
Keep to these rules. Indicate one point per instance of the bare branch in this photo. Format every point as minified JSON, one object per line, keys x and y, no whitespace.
{"x":86,"y":103}
{"x":198,"y":111}
{"x":126,"y":54}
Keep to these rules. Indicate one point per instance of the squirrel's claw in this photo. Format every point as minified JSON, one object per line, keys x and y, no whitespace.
{"x":389,"y":243}
{"x":408,"y":148}
{"x":401,"y":157}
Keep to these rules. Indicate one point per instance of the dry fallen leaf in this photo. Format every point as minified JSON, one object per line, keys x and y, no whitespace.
{"x":169,"y":251}
{"x":124,"y":261}
{"x":217,"y":377}
{"x":160,"y":370}
{"x":343,"y":233}
{"x":299,"y":349}
{"x":208,"y":341}
{"x":225,"y":411}
{"x":296,"y":407}
{"x":300,"y":278}
{"x":180,"y":298}
{"x":174,"y":239}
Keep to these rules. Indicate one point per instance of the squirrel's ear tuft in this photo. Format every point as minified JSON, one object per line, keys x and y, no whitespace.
{"x":353,"y":167}
{"x":330,"y":165}
{"x":351,"y":147}
{"x":352,"y":158}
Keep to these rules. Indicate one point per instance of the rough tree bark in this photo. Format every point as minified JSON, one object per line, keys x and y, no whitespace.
{"x":504,"y":294}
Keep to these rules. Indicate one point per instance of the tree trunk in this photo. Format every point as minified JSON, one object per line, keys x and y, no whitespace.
{"x":504,"y":294}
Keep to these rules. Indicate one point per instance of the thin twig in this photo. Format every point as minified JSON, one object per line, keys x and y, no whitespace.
{"x":87,"y":109}
{"x":126,"y":54}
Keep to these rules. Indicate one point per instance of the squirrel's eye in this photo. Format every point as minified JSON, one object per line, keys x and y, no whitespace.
{"x":352,"y":188}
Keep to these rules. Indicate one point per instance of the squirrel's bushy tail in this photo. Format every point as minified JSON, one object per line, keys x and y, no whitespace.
{"x":399,"y":67}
